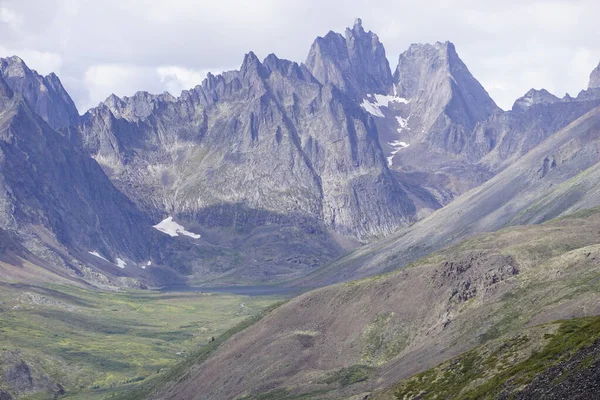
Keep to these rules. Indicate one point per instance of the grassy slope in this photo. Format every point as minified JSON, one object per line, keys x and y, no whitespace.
{"x":401,"y":323}
{"x":504,"y":366}
{"x":92,"y":341}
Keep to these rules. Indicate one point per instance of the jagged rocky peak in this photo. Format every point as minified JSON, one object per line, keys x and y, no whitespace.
{"x":14,"y":67}
{"x":422,"y":63}
{"x":45,"y":95}
{"x":533,"y":97}
{"x":138,"y":106}
{"x":434,"y":74}
{"x":418,"y":64}
{"x":287,"y":68}
{"x":355,"y":63}
{"x":252,"y":68}
{"x":595,"y":78}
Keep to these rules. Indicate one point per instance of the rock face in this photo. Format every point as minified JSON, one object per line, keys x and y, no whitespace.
{"x":52,"y":193}
{"x":355,"y":63}
{"x":446,"y":102}
{"x":426,"y":123}
{"x":595,"y":78}
{"x":45,"y":95}
{"x":267,"y":137}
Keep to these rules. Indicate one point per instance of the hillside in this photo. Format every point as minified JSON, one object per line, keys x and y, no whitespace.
{"x":363,"y":336}
{"x":555,"y":361}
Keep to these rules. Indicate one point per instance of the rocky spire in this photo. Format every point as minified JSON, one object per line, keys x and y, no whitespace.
{"x":355,"y":62}
{"x":445,"y":102}
{"x":595,"y":78}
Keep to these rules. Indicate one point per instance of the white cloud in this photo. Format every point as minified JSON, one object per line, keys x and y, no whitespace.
{"x":42,"y":61}
{"x":102,"y":80}
{"x":11,"y":18}
{"x":105,"y":79}
{"x":175,"y":79}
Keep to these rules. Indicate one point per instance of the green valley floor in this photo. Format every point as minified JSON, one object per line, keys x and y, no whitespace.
{"x":80,"y":343}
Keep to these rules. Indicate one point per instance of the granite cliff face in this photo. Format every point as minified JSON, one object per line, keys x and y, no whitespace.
{"x":355,"y":63}
{"x":426,"y":121}
{"x":444,"y":100}
{"x":267,"y":137}
{"x":595,"y":78}
{"x":45,"y":95}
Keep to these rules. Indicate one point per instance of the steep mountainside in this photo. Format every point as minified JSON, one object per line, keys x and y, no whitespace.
{"x":556,"y":177}
{"x":45,"y":95}
{"x":54,"y":196}
{"x":426,"y":123}
{"x":355,"y":338}
{"x":533,"y":118}
{"x":268,"y":137}
{"x":270,"y":171}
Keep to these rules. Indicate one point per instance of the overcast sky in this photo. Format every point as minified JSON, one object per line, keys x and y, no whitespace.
{"x":122,"y":46}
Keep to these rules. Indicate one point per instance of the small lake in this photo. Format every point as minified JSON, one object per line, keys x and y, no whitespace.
{"x":239,"y":290}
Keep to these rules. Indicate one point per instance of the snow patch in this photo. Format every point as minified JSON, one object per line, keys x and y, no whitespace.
{"x":371,"y":108}
{"x":149,"y":263}
{"x":121,"y":263}
{"x":373,"y":103}
{"x":403,"y":123}
{"x":173,"y":229}
{"x":385,"y":100}
{"x":95,"y":253}
{"x":397,"y":145}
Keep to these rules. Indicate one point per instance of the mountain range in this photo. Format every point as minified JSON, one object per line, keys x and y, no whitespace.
{"x":428,"y":221}
{"x":276,"y":169}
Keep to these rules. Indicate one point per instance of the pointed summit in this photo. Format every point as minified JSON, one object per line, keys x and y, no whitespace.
{"x":355,"y":63}
{"x":252,"y":68}
{"x":446,"y":101}
{"x":595,"y":78}
{"x":45,"y":95}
